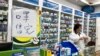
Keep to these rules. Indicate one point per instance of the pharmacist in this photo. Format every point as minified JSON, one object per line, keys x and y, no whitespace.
{"x":78,"y":38}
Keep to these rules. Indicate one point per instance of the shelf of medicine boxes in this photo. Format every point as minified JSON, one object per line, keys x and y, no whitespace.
{"x":3,"y":10}
{"x":85,"y":29}
{"x":92,"y":28}
{"x":65,"y":23}
{"x":78,"y":17}
{"x":49,"y":25}
{"x":4,"y":5}
{"x":3,"y":18}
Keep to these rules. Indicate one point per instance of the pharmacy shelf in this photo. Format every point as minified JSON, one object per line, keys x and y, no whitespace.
{"x":65,"y":26}
{"x":49,"y":27}
{"x":3,"y":19}
{"x":86,"y":23}
{"x":78,"y":19}
{"x":85,"y":26}
{"x":92,"y":28}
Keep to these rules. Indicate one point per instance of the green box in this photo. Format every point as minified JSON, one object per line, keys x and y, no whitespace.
{"x":43,"y":52}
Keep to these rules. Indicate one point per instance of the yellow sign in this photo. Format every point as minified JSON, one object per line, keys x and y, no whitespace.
{"x":38,"y":25}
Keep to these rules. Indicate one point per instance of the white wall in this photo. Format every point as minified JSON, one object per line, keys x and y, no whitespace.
{"x":68,"y":4}
{"x":98,"y":34}
{"x":97,"y":9}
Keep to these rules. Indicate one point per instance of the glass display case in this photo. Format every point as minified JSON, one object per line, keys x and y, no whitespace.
{"x":92,"y":28}
{"x":65,"y":26}
{"x":49,"y":28}
{"x":86,"y":22}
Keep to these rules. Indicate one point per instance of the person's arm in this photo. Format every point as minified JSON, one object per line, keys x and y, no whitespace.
{"x":75,"y":38}
{"x":86,"y":38}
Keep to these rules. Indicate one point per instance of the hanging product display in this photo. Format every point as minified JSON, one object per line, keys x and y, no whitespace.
{"x":92,"y":28}
{"x":49,"y":26}
{"x":85,"y":24}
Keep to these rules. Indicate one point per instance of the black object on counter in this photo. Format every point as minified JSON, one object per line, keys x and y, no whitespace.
{"x":91,"y":43}
{"x":5,"y":46}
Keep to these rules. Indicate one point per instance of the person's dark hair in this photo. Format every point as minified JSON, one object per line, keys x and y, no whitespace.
{"x":76,"y":26}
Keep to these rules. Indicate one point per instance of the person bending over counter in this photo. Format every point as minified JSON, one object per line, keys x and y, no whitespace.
{"x":79,"y":38}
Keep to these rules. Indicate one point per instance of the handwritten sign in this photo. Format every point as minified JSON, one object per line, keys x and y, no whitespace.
{"x":24,"y":22}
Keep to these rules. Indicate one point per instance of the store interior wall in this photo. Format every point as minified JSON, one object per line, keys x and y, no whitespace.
{"x":68,"y":4}
{"x":97,"y":9}
{"x":97,"y":33}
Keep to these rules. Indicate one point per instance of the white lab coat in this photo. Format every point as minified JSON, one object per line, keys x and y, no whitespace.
{"x":79,"y":43}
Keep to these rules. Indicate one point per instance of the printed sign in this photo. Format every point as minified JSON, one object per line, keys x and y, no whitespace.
{"x":51,"y":5}
{"x":85,"y":15}
{"x":95,"y":15}
{"x":18,"y":54}
{"x":33,"y":1}
{"x":79,"y":13}
{"x":66,"y":9}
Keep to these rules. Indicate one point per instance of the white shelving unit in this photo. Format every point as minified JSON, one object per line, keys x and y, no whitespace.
{"x":92,"y":28}
{"x":49,"y":26}
{"x":86,"y":21}
{"x":88,"y":25}
{"x":4,"y":8}
{"x":65,"y":23}
{"x":97,"y":46}
{"x":79,"y":18}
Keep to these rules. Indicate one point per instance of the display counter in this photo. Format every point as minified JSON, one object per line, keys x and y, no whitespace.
{"x":11,"y":52}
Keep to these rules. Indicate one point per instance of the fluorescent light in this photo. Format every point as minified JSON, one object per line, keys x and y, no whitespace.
{"x":94,"y":3}
{"x":84,"y":1}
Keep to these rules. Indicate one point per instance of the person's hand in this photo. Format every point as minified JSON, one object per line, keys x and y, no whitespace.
{"x":85,"y":38}
{"x":81,"y":38}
